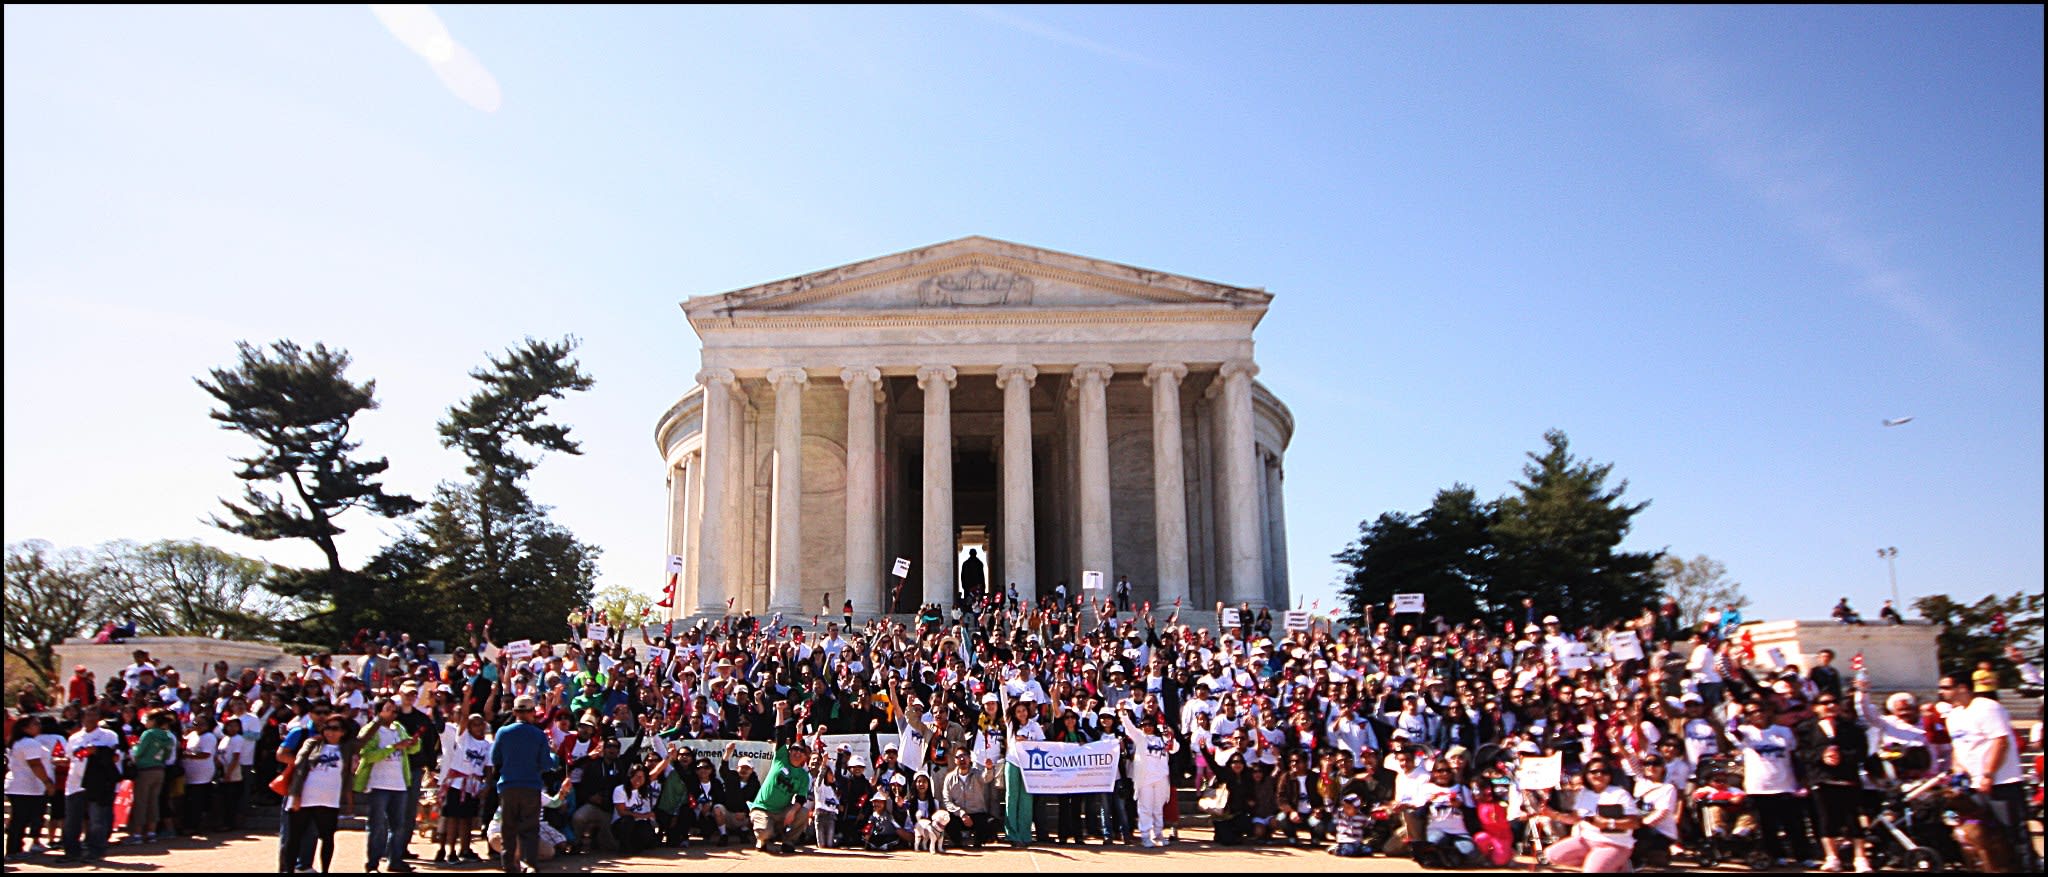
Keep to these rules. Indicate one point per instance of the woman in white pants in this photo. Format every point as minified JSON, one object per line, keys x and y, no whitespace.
{"x":1151,"y":778}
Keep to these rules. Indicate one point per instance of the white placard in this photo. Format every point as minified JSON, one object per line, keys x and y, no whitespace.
{"x":1777,"y":656}
{"x":675,"y":563}
{"x":1539,"y":772}
{"x":1230,"y":618}
{"x":598,"y":632}
{"x":1297,"y":619}
{"x":1624,"y":646}
{"x":759,"y":753}
{"x":1573,"y":658}
{"x":519,"y":649}
{"x":1407,"y":603}
{"x":656,"y":653}
{"x":902,"y":569}
{"x":1091,"y":580}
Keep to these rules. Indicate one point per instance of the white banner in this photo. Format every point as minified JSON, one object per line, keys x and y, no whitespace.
{"x":759,"y":753}
{"x":519,"y":649}
{"x":1624,"y":646}
{"x":1229,"y":619}
{"x":1066,"y":768}
{"x":854,"y":743}
{"x":1091,"y":580}
{"x":902,"y":567}
{"x":675,"y":563}
{"x":598,"y":632}
{"x":1297,"y":619}
{"x":1407,"y":603}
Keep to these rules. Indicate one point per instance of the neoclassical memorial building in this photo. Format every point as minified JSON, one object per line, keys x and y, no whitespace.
{"x":1051,"y":413}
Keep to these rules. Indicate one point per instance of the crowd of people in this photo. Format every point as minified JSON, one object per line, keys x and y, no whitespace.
{"x":1462,"y":743}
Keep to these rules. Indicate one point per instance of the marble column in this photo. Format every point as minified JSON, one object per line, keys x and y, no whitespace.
{"x":1169,"y":486}
{"x":1276,"y":526}
{"x":1020,"y":530}
{"x":1091,"y":381}
{"x":719,"y":451}
{"x":1245,"y":583}
{"x":693,"y":511}
{"x":785,"y":590}
{"x":863,"y":545}
{"x":937,"y":383}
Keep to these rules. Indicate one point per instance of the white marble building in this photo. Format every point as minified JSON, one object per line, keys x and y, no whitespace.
{"x":1052,"y":412}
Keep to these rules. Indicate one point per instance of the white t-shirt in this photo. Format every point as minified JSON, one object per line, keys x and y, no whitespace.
{"x":21,"y":776}
{"x":199,"y":771}
{"x":1442,"y":804}
{"x":469,"y":756}
{"x":1149,"y":756}
{"x":1660,"y":798}
{"x":323,"y":781}
{"x":386,"y":775}
{"x":1704,"y":665}
{"x":74,"y":782}
{"x":1700,"y":740}
{"x":238,"y":749}
{"x":1973,"y":729}
{"x":638,"y":803}
{"x":1767,"y":759}
{"x":1588,"y":806}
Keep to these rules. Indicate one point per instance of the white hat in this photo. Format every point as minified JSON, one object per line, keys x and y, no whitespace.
{"x":1550,"y":619}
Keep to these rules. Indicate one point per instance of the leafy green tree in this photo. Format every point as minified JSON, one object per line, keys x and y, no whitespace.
{"x":298,"y":405}
{"x":1969,"y":633}
{"x":1558,"y":536}
{"x":1698,"y":585}
{"x":621,"y":606}
{"x":51,"y":595}
{"x":185,"y":588}
{"x":1444,"y":553}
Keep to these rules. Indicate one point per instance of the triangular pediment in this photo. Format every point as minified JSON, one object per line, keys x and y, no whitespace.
{"x":975,"y":273}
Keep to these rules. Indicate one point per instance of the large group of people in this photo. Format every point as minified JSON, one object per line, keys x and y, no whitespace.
{"x":1461,"y":742}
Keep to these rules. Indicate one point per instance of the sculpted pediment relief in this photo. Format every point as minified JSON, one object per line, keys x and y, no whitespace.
{"x":975,"y":274}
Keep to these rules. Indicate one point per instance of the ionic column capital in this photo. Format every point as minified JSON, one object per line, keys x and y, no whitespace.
{"x":785,"y":373}
{"x":1237,"y":367}
{"x":718,"y":375}
{"x":928,"y":373}
{"x":852,"y":373}
{"x":1175,"y":370}
{"x":1024,"y":372}
{"x":1100,"y":371}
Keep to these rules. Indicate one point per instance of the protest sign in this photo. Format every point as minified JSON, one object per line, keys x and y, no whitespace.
{"x":1624,"y":646}
{"x":598,"y":632}
{"x":656,"y":653}
{"x":1572,"y":658}
{"x":675,"y":563}
{"x":902,"y":567}
{"x":1297,"y":619}
{"x":519,"y":649}
{"x":1229,"y":618}
{"x":1091,"y":580}
{"x":1777,"y":657}
{"x":858,"y":744}
{"x":1066,"y":768}
{"x":1535,"y":773}
{"x":1407,"y":603}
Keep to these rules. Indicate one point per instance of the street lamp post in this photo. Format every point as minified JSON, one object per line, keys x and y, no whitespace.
{"x":1891,"y":563}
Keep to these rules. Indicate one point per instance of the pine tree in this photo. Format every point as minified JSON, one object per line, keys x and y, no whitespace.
{"x":1558,"y":535}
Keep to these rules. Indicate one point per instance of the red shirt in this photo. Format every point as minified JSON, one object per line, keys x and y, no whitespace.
{"x":81,"y":689}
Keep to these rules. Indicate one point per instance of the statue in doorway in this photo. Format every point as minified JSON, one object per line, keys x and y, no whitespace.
{"x":973,"y":577}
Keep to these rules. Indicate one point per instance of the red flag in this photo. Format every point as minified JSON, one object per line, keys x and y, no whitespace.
{"x":1748,"y":646}
{"x":1856,"y":663}
{"x":671,"y":583}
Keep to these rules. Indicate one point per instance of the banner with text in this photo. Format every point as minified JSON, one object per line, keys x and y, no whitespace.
{"x":759,"y":753}
{"x":1407,"y":603}
{"x":1066,"y":768}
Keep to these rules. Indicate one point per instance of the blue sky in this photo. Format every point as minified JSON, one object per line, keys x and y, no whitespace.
{"x":1716,"y":246}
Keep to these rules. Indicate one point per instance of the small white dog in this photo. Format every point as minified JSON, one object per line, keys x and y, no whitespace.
{"x":931,"y":833}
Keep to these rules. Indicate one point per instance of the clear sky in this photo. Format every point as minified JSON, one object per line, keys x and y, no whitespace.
{"x":1715,"y":246}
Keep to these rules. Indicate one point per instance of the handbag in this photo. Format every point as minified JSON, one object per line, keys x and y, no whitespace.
{"x":1215,"y":801}
{"x":282,"y":785}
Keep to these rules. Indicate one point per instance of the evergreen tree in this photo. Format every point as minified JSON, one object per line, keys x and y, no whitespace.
{"x":1971,"y":632}
{"x":1445,"y":553}
{"x":1557,"y":539}
{"x":298,"y":405}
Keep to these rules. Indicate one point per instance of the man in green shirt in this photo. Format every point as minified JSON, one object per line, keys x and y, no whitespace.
{"x":778,"y":812}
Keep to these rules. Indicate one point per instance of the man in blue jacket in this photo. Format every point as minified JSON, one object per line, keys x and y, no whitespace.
{"x":521,"y":754}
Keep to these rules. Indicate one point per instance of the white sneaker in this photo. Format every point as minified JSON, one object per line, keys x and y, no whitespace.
{"x":1832,"y":864}
{"x":38,"y":849}
{"x":1863,"y":865}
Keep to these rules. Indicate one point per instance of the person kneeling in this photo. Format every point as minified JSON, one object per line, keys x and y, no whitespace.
{"x":779,"y":811}
{"x":1442,"y":806}
{"x":1352,"y":823}
{"x":1606,"y":817}
{"x":633,"y":812}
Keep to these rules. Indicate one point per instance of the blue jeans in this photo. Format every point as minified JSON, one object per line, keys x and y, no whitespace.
{"x":412,"y":813}
{"x":1115,"y":822}
{"x":1353,"y":849}
{"x":91,"y":823}
{"x":387,"y":825}
{"x":287,"y":844}
{"x":1460,"y":842}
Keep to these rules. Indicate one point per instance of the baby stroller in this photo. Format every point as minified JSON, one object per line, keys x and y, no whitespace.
{"x":1727,"y":830}
{"x":1907,"y":834}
